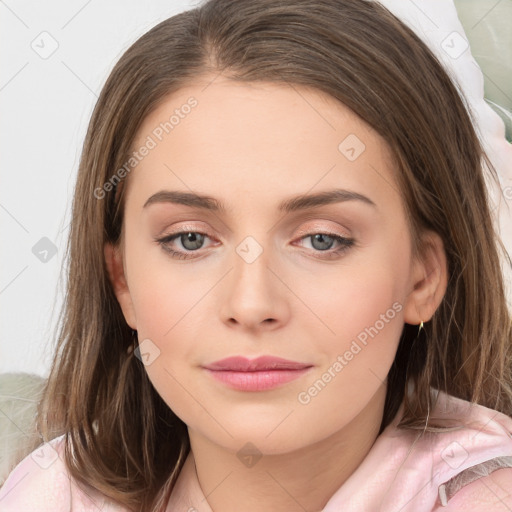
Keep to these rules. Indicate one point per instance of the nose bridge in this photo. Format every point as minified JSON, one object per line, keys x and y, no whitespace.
{"x":254,"y":293}
{"x":251,"y":273}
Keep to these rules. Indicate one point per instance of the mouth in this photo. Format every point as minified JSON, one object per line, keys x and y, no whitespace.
{"x":259,"y":374}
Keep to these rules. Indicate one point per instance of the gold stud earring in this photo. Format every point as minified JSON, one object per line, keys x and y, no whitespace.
{"x":421,"y":327}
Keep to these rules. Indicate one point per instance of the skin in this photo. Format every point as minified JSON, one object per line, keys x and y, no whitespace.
{"x":252,"y":146}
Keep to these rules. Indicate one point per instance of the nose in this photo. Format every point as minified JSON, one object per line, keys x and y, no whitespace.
{"x":254,"y":296}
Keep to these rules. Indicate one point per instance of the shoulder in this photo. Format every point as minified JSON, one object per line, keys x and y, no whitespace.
{"x":492,"y":493}
{"x":39,"y":482}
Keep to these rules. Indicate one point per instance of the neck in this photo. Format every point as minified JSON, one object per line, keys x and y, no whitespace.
{"x":301,"y":480}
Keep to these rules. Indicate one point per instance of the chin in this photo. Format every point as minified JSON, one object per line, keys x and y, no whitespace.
{"x":267,"y":434}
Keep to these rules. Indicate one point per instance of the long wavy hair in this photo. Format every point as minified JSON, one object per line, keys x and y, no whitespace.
{"x":121,"y":438}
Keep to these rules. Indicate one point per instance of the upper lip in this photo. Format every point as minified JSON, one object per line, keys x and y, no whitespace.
{"x":243,"y":364}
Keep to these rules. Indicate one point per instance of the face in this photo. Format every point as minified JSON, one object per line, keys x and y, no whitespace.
{"x":257,"y":270}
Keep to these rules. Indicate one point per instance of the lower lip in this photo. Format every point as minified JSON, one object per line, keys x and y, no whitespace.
{"x":258,"y":380}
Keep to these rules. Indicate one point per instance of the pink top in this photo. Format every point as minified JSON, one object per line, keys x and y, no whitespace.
{"x":402,"y":472}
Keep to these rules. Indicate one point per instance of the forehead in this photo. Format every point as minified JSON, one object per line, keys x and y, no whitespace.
{"x":260,"y":140}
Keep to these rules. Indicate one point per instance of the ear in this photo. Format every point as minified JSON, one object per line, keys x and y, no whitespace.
{"x":115,"y":267}
{"x":429,"y":280}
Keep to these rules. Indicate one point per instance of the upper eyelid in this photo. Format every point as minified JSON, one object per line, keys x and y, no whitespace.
{"x":344,"y":232}
{"x":300,"y":234}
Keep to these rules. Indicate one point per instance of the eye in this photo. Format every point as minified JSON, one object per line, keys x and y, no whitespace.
{"x":192,"y":241}
{"x":323,"y":242}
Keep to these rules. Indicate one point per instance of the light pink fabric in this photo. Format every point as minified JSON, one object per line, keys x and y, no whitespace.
{"x":401,"y":472}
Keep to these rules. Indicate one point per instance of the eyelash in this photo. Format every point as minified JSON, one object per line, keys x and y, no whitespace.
{"x":346,"y":244}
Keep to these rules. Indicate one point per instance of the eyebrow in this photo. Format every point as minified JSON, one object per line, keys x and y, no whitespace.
{"x":296,"y":203}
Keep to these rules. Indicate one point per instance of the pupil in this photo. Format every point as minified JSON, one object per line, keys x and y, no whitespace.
{"x":194,"y":238}
{"x":323,"y":245}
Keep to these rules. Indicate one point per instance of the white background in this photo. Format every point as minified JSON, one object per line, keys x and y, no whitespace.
{"x":46,"y":104}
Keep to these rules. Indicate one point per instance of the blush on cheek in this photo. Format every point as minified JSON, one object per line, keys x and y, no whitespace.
{"x":365,"y":315}
{"x":162,"y":303}
{"x":372,"y":338}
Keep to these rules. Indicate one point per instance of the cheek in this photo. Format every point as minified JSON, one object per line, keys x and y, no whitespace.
{"x":170,"y":313}
{"x":165,"y":293}
{"x":367,"y":320}
{"x":362,"y":313}
{"x":173,"y":308}
{"x":362,"y":301}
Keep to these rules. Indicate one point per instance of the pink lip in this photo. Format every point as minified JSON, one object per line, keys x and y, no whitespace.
{"x":241,"y":364}
{"x":259,"y":374}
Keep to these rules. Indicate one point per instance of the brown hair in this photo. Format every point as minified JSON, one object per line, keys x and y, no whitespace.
{"x":126,"y":442}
